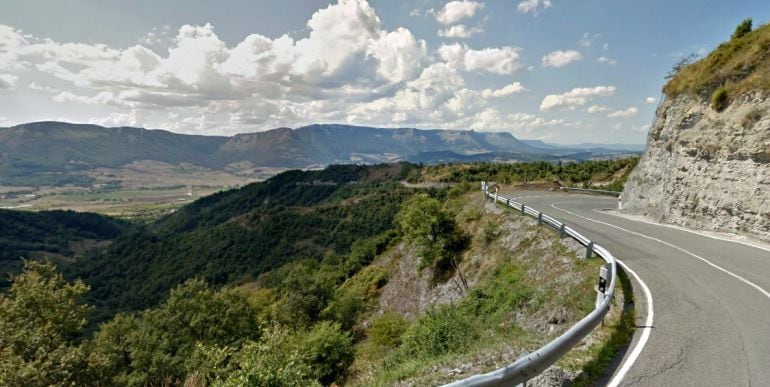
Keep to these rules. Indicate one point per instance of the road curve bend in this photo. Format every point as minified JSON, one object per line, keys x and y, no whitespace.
{"x":711,"y":297}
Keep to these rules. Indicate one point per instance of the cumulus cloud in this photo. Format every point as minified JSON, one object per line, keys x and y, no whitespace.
{"x":347,"y":67}
{"x":458,"y":31}
{"x":575,"y":97}
{"x":630,"y":112}
{"x":533,"y":6}
{"x":7,"y":81}
{"x":513,"y":88}
{"x":597,"y":109}
{"x":454,"y":11}
{"x":347,"y":56}
{"x":499,"y":60}
{"x":561,"y":58}
{"x":605,"y":60}
{"x":650,"y":100}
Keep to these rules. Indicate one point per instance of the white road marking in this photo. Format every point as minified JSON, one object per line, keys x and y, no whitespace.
{"x":728,"y":272}
{"x":631,"y":359}
{"x":686,"y":230}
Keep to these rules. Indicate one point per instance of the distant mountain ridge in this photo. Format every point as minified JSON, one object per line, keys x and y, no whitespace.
{"x":56,"y":149}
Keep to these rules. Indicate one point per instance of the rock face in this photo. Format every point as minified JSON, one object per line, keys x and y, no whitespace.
{"x":705,"y":169}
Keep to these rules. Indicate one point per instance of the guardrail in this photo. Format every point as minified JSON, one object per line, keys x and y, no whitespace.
{"x":530,"y":365}
{"x":599,"y":191}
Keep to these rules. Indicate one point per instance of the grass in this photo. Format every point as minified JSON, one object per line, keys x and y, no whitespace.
{"x":531,"y":289}
{"x":740,"y":65}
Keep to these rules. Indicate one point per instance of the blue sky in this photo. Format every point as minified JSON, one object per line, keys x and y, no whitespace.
{"x":564,"y":71}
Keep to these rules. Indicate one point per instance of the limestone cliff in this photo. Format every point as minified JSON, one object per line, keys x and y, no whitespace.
{"x":706,"y":169}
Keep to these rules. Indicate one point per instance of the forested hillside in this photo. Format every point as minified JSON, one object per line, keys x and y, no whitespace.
{"x":56,"y":234}
{"x":234,"y":236}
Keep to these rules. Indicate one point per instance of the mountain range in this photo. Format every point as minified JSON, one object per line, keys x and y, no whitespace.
{"x":45,"y":151}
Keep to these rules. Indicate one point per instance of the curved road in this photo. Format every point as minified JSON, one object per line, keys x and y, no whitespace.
{"x":711,"y":297}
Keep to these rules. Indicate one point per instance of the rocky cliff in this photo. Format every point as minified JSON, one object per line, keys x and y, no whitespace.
{"x":707,"y":169}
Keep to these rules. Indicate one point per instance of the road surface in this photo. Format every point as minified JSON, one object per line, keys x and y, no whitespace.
{"x":710,"y":297}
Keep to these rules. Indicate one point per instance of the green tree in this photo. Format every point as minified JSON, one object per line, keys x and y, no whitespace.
{"x":742,"y":29}
{"x":40,"y":317}
{"x":433,"y":230}
{"x":159,"y":345}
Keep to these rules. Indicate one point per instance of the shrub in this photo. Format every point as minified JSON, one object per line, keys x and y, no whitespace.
{"x":387,"y":330}
{"x":440,"y":331}
{"x":329,"y":351}
{"x":742,"y":29}
{"x":719,"y":99}
{"x":274,"y":360}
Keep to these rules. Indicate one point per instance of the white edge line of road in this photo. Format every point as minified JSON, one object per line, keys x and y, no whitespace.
{"x":720,"y":268}
{"x":631,"y":359}
{"x":645,"y":334}
{"x":648,"y":321}
{"x":745,"y":243}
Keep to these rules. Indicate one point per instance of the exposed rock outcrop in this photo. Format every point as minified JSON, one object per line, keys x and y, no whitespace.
{"x":705,"y":169}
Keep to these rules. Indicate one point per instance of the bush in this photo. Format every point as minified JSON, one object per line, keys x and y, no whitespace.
{"x":387,"y":329}
{"x":274,"y":360}
{"x":329,"y":351}
{"x":719,"y":99}
{"x":742,"y":29}
{"x":440,"y":331}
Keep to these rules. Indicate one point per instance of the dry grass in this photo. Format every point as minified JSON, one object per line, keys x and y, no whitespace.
{"x":739,"y":65}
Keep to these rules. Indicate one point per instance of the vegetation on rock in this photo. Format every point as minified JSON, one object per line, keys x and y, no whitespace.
{"x":739,"y":65}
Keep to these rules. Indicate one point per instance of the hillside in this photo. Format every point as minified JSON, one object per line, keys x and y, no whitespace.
{"x":740,"y":66}
{"x":234,"y":236}
{"x":56,"y":153}
{"x":59,"y":235}
{"x":707,"y":164}
{"x":382,"y":309}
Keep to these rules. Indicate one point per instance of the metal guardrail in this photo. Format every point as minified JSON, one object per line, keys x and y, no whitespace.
{"x":532,"y":364}
{"x":599,"y":191}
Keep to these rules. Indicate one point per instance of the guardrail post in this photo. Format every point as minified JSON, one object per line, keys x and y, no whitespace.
{"x":539,"y":217}
{"x":522,"y":209}
{"x":508,"y":202}
{"x":589,"y":250}
{"x":562,"y":231}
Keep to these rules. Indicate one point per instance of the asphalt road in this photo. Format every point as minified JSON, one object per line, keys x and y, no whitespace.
{"x":711,"y":300}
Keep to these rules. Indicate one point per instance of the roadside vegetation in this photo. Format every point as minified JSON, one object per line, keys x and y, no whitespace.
{"x":603,"y":174}
{"x":737,"y":66}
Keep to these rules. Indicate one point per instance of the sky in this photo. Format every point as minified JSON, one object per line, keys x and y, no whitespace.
{"x":562,"y":71}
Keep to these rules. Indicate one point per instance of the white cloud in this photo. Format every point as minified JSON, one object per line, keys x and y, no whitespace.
{"x":454,"y":11}
{"x":597,"y":109}
{"x":502,"y":60}
{"x":7,"y":81}
{"x":458,"y":31}
{"x":575,"y":97}
{"x":650,"y":100}
{"x":513,"y":88}
{"x":347,"y":57}
{"x":401,"y":56}
{"x":609,"y":61}
{"x":588,"y":39}
{"x":561,"y":58}
{"x":630,"y":112}
{"x":533,"y":6}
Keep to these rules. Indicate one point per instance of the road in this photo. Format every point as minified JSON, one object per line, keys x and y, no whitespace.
{"x":710,"y":297}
